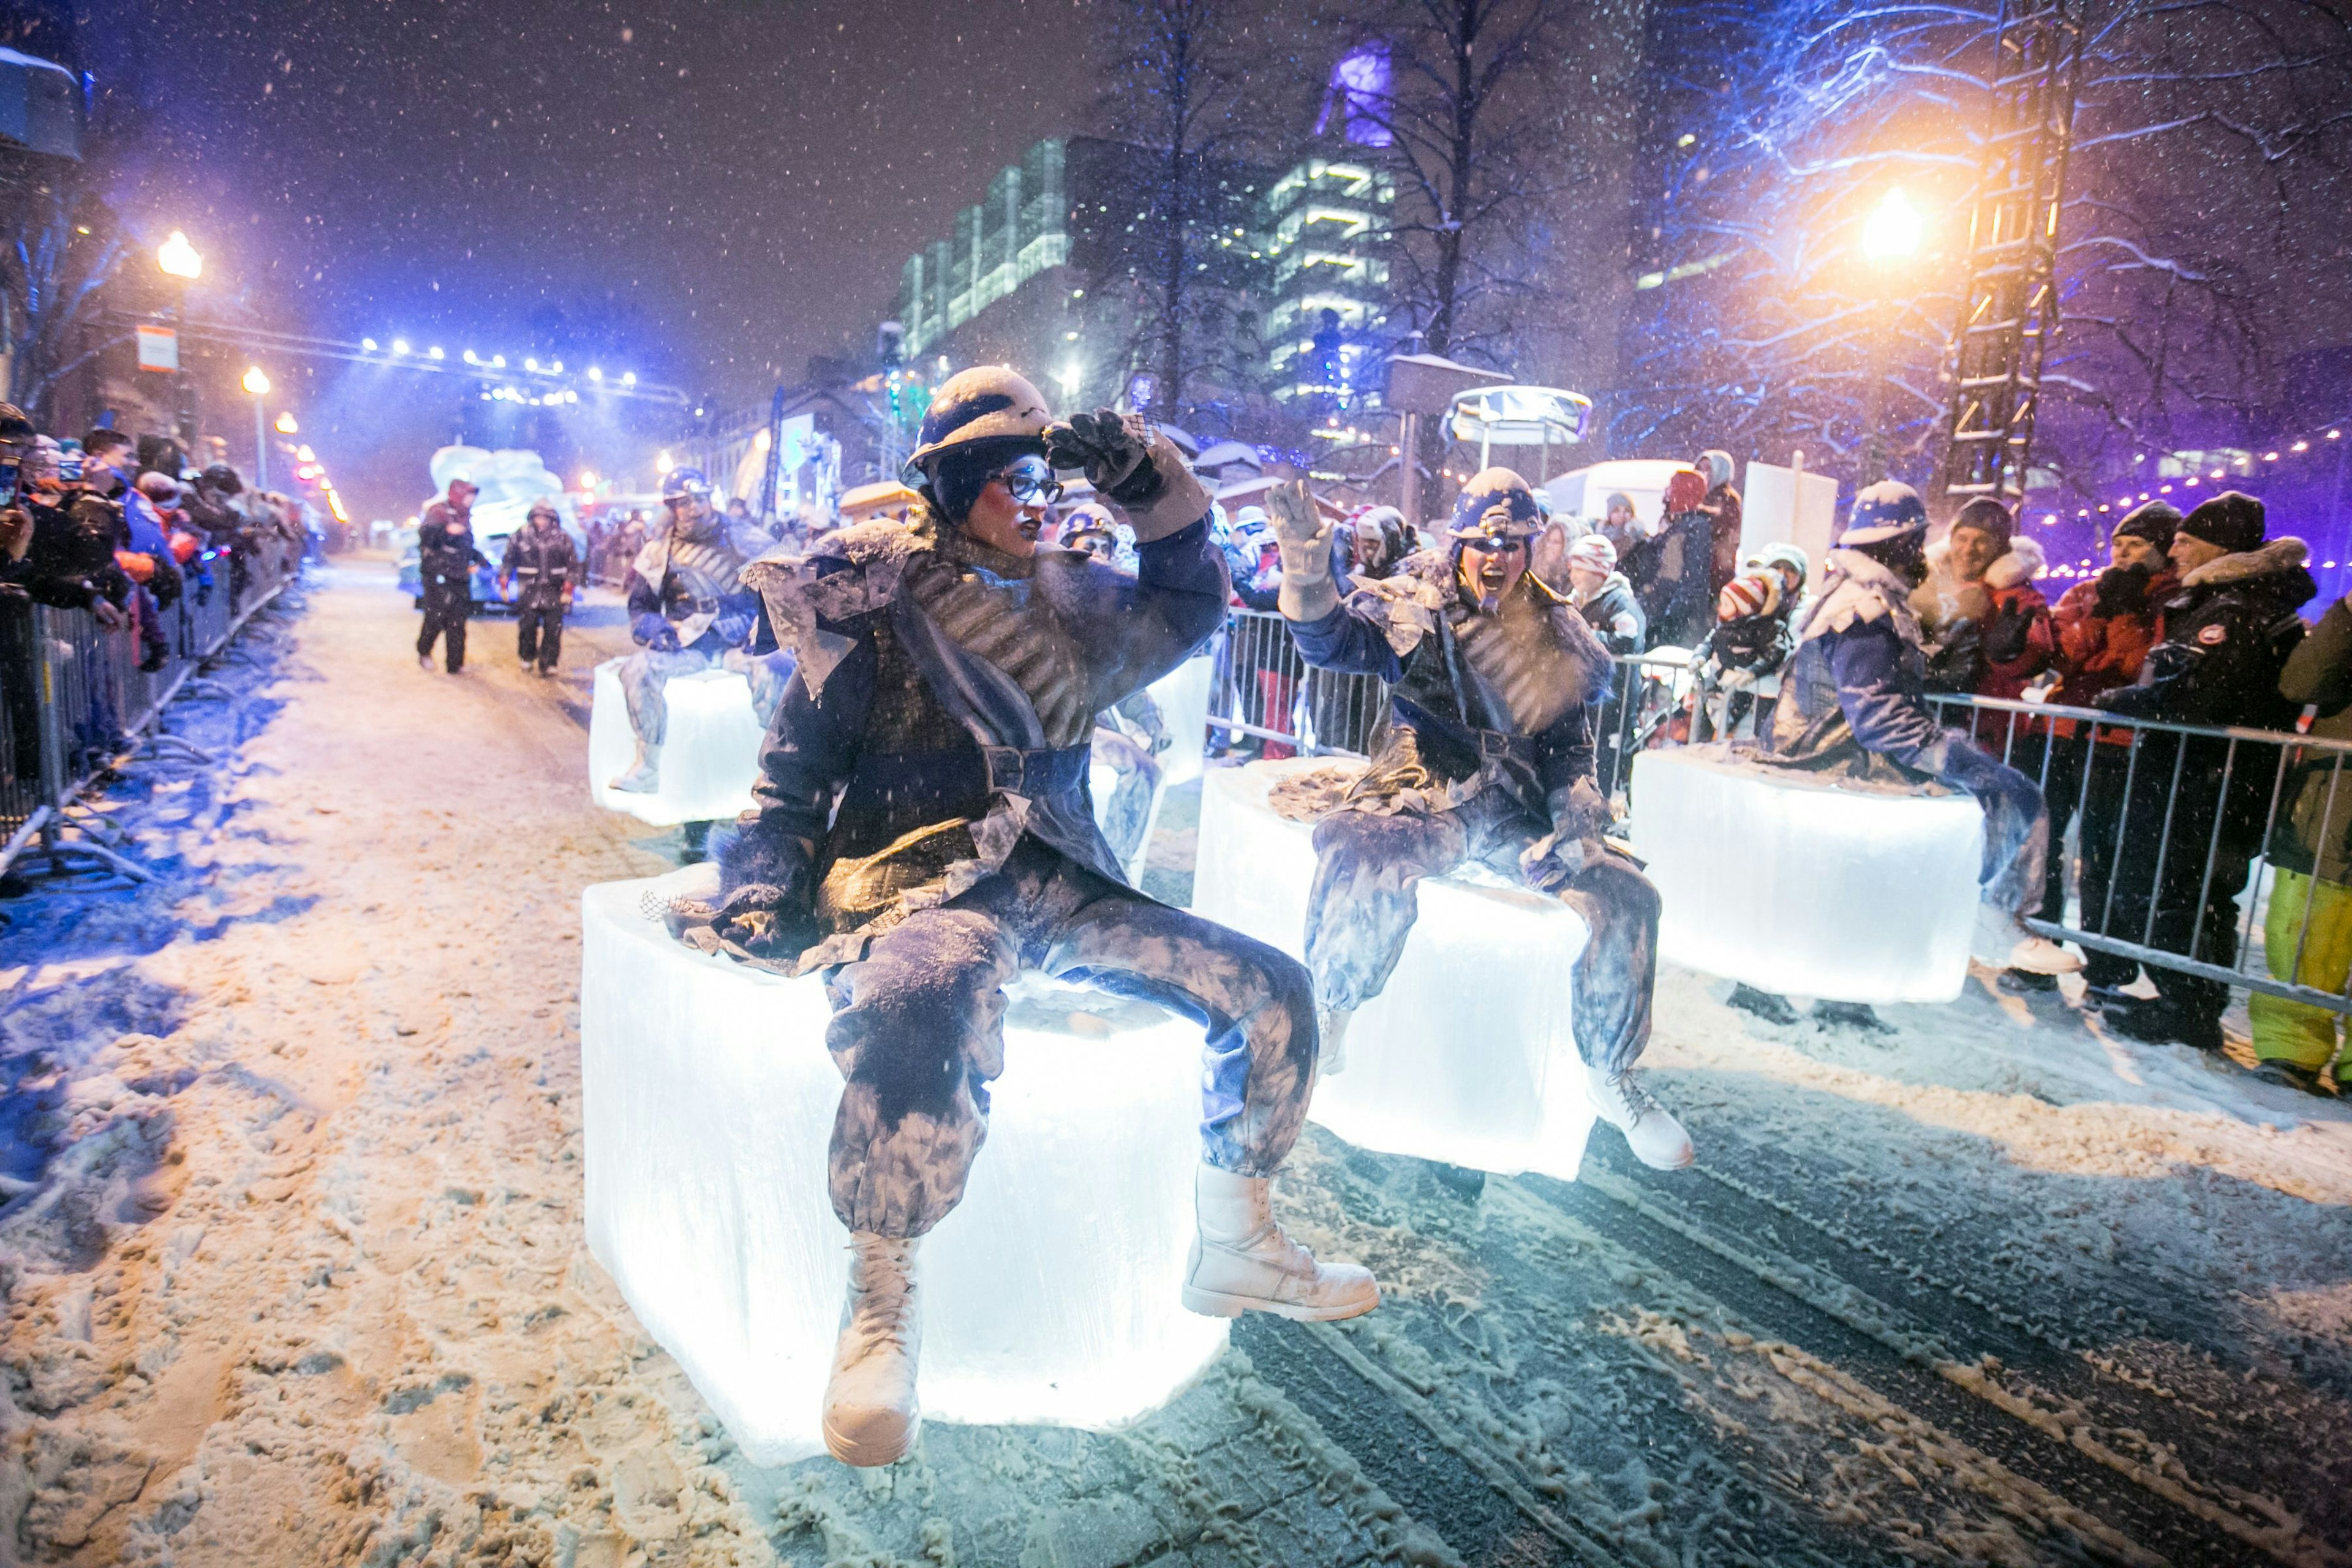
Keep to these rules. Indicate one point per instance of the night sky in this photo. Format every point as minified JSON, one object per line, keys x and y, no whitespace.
{"x":710,"y":191}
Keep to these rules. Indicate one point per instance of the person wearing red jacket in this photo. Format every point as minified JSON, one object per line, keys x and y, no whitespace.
{"x":2105,"y":627}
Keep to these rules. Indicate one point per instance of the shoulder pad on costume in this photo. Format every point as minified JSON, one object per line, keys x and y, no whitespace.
{"x":849,"y":573}
{"x":1847,"y":602}
{"x":1404,"y":606}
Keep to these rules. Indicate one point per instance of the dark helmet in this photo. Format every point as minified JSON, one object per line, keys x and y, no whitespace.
{"x":680,"y":482}
{"x":986,"y":403}
{"x":1495,"y":505}
{"x":1886,"y":511}
{"x":222,"y":477}
{"x":14,"y":426}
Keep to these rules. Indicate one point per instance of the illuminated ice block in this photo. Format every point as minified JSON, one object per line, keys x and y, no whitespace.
{"x":1050,"y":1295}
{"x":1183,"y":697}
{"x":1467,"y":1056}
{"x":1788,"y":882}
{"x":709,"y":759}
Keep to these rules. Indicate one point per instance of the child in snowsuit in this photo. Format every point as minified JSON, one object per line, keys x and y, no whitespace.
{"x":1488,"y":757}
{"x":1738,"y":663}
{"x":923,"y":835}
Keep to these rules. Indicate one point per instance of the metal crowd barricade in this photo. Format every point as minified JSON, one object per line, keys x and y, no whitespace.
{"x":1262,"y":691}
{"x":74,"y":698}
{"x":2175,"y":832}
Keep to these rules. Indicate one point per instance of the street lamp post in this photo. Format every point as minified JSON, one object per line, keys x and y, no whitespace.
{"x":180,"y":260}
{"x":257,"y":383}
{"x":1890,"y":237}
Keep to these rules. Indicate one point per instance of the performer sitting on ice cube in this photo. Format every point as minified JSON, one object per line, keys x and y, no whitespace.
{"x":1488,"y":757}
{"x":690,"y":611}
{"x":950,"y":674}
{"x":1854,"y":696}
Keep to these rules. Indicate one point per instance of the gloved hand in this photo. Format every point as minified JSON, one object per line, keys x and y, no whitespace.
{"x":2122,"y":591}
{"x":1303,"y":535}
{"x":1135,"y":468}
{"x":764,"y":912}
{"x":1113,"y":455}
{"x":1579,"y":817}
{"x":654,"y":632}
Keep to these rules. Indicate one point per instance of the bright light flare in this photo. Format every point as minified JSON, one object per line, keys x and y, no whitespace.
{"x":178,"y":258}
{"x":1894,"y":230}
{"x":256,"y":381}
{"x":286,"y":425}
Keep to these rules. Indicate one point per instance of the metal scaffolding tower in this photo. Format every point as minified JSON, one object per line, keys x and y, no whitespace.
{"x":2009,"y":308}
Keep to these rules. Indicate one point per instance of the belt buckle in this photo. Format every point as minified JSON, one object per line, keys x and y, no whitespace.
{"x":1006,"y":768}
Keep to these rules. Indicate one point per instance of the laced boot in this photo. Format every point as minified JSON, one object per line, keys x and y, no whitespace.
{"x":870,"y":1414}
{"x":644,"y":776}
{"x":2002,"y":941}
{"x":1656,"y":1139}
{"x":1243,"y":1262}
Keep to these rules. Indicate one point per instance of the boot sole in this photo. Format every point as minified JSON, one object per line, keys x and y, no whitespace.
{"x":870,"y":1456}
{"x":1218,"y":1304}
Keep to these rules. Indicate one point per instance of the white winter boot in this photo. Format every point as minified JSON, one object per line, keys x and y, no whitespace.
{"x":644,"y":776}
{"x":870,"y":1414}
{"x":1331,"y":1046}
{"x":1242,"y":1261}
{"x":1656,"y":1139}
{"x":2002,"y":941}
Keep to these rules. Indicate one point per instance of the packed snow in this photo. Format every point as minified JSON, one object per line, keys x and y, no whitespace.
{"x":295,"y":1265}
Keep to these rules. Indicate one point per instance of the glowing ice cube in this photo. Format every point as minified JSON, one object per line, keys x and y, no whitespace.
{"x":1467,"y":1056}
{"x":1049,"y":1295}
{"x":708,"y":762}
{"x":1784,"y":881}
{"x":1183,"y":697}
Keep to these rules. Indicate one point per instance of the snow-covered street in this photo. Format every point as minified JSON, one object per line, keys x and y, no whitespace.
{"x":295,"y":1273}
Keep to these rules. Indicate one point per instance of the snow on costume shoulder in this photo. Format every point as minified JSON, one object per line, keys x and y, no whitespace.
{"x":1406,"y":603}
{"x":846,"y":574}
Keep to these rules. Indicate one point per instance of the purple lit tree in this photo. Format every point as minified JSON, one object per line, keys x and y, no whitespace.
{"x":2206,"y":130}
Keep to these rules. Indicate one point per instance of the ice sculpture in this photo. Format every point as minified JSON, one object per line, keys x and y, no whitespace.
{"x":1050,"y":1295}
{"x":1788,"y":882}
{"x":1183,"y":697}
{"x":1468,"y":1056}
{"x":709,"y":759}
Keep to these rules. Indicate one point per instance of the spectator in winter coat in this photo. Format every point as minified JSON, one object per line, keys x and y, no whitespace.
{"x":1987,"y":625}
{"x":446,"y":559}
{"x":1621,"y":523}
{"x":2226,"y":635}
{"x":1670,"y":570}
{"x":541,"y":564}
{"x":2307,"y":937}
{"x":1602,"y":596}
{"x":1250,"y":554}
{"x":1723,"y":517}
{"x":1853,"y":695}
{"x":1374,"y":541}
{"x":2104,"y":627}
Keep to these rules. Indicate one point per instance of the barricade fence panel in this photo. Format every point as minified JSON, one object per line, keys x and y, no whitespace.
{"x":76,"y":694}
{"x":2216,"y":852}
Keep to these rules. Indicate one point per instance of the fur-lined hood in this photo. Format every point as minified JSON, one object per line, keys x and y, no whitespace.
{"x":2274,"y":559}
{"x":2020,"y":566}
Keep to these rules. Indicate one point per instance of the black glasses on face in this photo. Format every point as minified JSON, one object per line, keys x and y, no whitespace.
{"x":1031,"y":481}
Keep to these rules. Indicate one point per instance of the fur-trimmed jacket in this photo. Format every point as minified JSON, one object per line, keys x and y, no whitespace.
{"x":1855,"y":689}
{"x":1476,"y":700}
{"x":941,"y":707}
{"x":2225,"y":634}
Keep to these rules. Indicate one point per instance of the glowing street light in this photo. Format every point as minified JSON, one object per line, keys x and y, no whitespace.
{"x":286,"y":425}
{"x":257,"y":382}
{"x":1894,"y":230}
{"x":662,"y":464}
{"x":587,"y":478}
{"x":178,"y":258}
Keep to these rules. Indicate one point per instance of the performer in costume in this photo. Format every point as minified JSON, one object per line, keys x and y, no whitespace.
{"x":690,"y":611}
{"x":924,"y":834}
{"x":1488,"y":757}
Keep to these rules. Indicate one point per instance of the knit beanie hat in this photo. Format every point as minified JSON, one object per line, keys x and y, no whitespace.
{"x":1987,"y":516}
{"x":2153,"y":520}
{"x":2231,"y":520}
{"x":1594,"y":553}
{"x":1750,"y":594}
